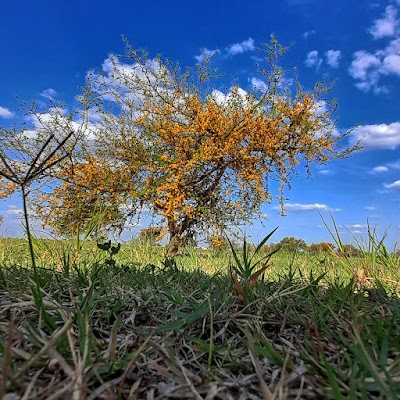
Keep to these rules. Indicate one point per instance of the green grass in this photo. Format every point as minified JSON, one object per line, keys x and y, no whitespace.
{"x":316,"y":326}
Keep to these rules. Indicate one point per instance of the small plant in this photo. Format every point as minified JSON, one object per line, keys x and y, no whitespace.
{"x":169,"y":263}
{"x":111,"y":250}
{"x":247,"y":270}
{"x":22,"y":172}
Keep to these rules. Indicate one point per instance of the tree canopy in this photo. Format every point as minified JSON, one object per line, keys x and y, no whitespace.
{"x":291,"y":243}
{"x":192,"y":155}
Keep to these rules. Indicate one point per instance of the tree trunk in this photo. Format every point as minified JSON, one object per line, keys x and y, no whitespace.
{"x":176,"y":232}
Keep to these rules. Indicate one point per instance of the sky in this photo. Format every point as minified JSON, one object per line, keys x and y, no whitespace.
{"x":48,"y":47}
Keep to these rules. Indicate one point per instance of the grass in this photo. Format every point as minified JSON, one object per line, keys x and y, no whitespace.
{"x":314,"y":326}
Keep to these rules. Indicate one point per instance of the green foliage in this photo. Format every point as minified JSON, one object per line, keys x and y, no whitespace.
{"x":292,"y":244}
{"x":248,"y":268}
{"x":166,"y":143}
{"x":108,"y":321}
{"x":321,"y":247}
{"x":308,"y":321}
{"x":150,"y":235}
{"x":111,"y":250}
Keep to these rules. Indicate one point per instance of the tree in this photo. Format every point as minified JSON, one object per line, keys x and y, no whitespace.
{"x":218,"y":242}
{"x":150,"y":235}
{"x":293,"y":244}
{"x":27,"y":157}
{"x":322,"y":247}
{"x":192,"y":155}
{"x":350,"y":250}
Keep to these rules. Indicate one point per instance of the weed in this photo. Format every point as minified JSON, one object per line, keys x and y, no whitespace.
{"x":247,"y":270}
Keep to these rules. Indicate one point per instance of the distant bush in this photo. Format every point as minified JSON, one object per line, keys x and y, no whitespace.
{"x":321,"y":247}
{"x":350,"y":251}
{"x":150,"y":235}
{"x":292,"y":244}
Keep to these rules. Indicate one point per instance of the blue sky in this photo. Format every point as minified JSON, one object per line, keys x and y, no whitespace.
{"x":47,"y":48}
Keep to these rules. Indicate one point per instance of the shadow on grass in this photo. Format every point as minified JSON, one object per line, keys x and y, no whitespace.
{"x":150,"y":331}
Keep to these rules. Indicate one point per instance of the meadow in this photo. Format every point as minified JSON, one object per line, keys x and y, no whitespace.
{"x":134,"y":323}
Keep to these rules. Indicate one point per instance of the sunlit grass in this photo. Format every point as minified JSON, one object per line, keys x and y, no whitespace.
{"x":316,"y":325}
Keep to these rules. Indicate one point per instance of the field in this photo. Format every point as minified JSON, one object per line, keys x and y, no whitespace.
{"x":88,"y":324}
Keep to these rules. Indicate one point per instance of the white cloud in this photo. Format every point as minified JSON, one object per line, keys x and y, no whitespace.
{"x":370,"y":208}
{"x":368,"y":67}
{"x":326,"y":172}
{"x":365,"y":67}
{"x":380,"y":136}
{"x":41,"y":119}
{"x":394,"y":165}
{"x":379,"y":169}
{"x":57,"y":121}
{"x":218,"y":96}
{"x":123,"y":83}
{"x":235,"y":93}
{"x":206,"y":53}
{"x":321,"y":107}
{"x":386,"y":26}
{"x":259,"y":84}
{"x":238,"y":48}
{"x":313,"y":60}
{"x":6,"y":113}
{"x":14,"y":210}
{"x":356,"y":226}
{"x":392,"y":48}
{"x":395,"y":185}
{"x":308,"y":33}
{"x":391,"y":64}
{"x":333,"y":57}
{"x":297,"y":207}
{"x":49,"y":93}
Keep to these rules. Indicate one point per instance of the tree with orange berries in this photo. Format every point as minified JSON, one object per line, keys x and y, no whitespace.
{"x":195,"y":157}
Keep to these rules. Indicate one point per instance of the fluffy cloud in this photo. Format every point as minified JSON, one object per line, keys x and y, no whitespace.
{"x":6,"y":113}
{"x":386,"y":26}
{"x":362,"y":63}
{"x":308,"y":33}
{"x":313,"y":60}
{"x":259,"y":84}
{"x":380,"y":136}
{"x":385,"y":168}
{"x":368,"y":67}
{"x":391,"y":64}
{"x":49,"y":93}
{"x":365,"y":68}
{"x":297,"y":207}
{"x":206,"y":53}
{"x":370,"y":208}
{"x":238,"y":48}
{"x":333,"y":57}
{"x":395,"y":185}
{"x":221,"y":98}
{"x":113,"y":84}
{"x":57,"y":121}
{"x":379,"y":169}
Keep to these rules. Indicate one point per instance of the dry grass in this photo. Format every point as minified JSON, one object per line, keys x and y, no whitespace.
{"x":139,"y":332}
